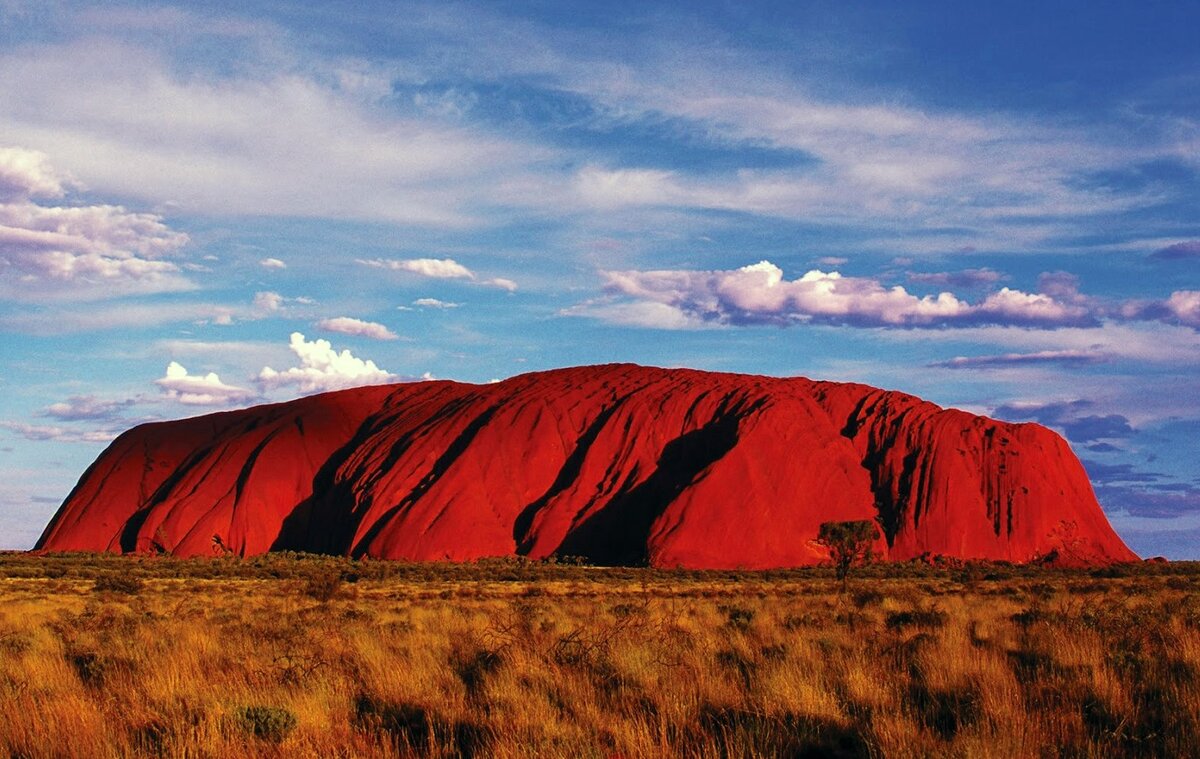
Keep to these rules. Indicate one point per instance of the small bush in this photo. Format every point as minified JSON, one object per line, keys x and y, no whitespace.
{"x":802,"y":621}
{"x":737,"y":617}
{"x":929,"y":618}
{"x":865,"y":598}
{"x":15,"y":643}
{"x":269,"y":723}
{"x":409,"y":725}
{"x":91,"y":667}
{"x":114,"y":583}
{"x":323,"y":586}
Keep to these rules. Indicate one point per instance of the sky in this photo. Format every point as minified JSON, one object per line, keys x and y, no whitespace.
{"x":208,"y":206}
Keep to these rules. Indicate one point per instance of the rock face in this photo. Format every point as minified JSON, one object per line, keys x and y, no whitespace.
{"x":620,"y":464}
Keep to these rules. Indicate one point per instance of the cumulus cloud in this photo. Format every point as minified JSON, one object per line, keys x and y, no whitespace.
{"x":85,"y":252}
{"x":1010,"y":306}
{"x":272,"y":263}
{"x":1187,"y":249}
{"x":433,"y":303}
{"x":347,"y":325}
{"x":322,"y":368}
{"x":200,"y":390}
{"x":760,"y":294}
{"x":437,"y":268}
{"x":1068,"y":357}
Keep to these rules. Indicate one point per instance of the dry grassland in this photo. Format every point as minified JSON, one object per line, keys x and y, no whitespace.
{"x":290,"y":656}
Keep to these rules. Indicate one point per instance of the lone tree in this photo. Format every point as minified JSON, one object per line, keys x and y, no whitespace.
{"x":848,"y":543}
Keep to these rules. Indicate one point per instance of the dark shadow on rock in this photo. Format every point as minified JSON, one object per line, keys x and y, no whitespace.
{"x":617,"y":534}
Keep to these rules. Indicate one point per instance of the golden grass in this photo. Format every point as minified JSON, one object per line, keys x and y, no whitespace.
{"x":299,"y":657}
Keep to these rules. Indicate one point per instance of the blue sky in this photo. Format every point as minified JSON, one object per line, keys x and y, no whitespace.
{"x":994,"y":209}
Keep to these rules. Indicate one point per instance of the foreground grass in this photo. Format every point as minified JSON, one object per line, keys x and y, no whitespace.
{"x":293,"y":656}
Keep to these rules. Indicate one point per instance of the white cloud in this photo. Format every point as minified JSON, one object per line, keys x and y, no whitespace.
{"x":502,"y":283}
{"x":80,"y":252}
{"x":268,"y":302}
{"x":26,"y":174}
{"x":617,"y":188}
{"x":1147,"y":342}
{"x":1065,"y":357}
{"x":196,"y":137}
{"x":759,"y":293}
{"x":197,"y":390}
{"x":1184,"y":305}
{"x":57,"y":321}
{"x":437,"y":268}
{"x":433,"y":303}
{"x":42,"y":432}
{"x":272,"y":263}
{"x":84,"y":407}
{"x":1010,"y":306}
{"x":348,"y":325}
{"x":322,"y":368}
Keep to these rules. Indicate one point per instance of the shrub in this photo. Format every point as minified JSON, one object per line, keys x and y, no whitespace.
{"x":737,"y":617}
{"x":91,"y":667}
{"x":323,"y":586}
{"x":929,"y":618}
{"x":115,"y":583}
{"x":849,"y":543}
{"x":270,"y":723}
{"x":865,"y":598}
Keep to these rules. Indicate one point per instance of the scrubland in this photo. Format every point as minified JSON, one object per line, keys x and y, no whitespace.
{"x":289,"y":656}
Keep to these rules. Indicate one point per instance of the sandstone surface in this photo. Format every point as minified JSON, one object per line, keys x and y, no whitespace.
{"x":619,"y":464}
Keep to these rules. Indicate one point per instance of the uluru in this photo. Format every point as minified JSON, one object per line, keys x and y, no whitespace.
{"x":617,"y":464}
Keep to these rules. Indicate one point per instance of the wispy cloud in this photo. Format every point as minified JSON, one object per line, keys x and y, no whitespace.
{"x":1067,"y":357}
{"x":117,"y":315}
{"x":438,"y":268}
{"x":87,"y":408}
{"x":433,"y":303}
{"x":1071,"y":417}
{"x":1179,"y":251}
{"x":196,"y":137}
{"x":42,"y":432}
{"x":348,"y":325}
{"x":967,"y":278}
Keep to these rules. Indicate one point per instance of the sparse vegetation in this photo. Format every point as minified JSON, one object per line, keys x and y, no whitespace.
{"x":271,"y":657}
